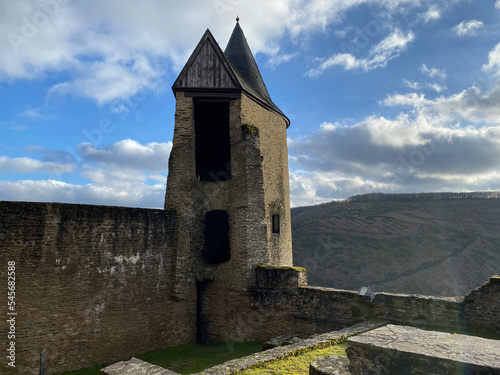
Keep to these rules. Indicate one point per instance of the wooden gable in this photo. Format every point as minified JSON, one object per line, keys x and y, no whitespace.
{"x":207,"y":68}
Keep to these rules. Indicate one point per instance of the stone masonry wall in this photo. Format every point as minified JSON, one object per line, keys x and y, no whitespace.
{"x":282,"y":303}
{"x":290,"y":306}
{"x":274,"y":159}
{"x":258,"y":187}
{"x":93,"y":285}
{"x":482,"y":306}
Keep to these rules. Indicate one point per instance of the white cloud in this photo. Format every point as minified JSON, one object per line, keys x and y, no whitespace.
{"x":29,"y":165}
{"x":412,"y":85}
{"x":36,"y":114}
{"x":114,"y":50}
{"x":378,"y":56}
{"x":493,"y":64}
{"x":129,"y":153}
{"x":470,"y":106}
{"x":449,"y":143}
{"x":433,"y":72}
{"x":315,"y":187}
{"x":432,"y":14}
{"x":280,"y":59}
{"x":411,"y":99}
{"x":497,"y":4}
{"x":468,"y":27}
{"x":436,"y":87}
{"x":138,"y":195}
{"x":404,"y":154}
{"x":125,"y":173}
{"x":115,"y":178}
{"x":107,"y":80}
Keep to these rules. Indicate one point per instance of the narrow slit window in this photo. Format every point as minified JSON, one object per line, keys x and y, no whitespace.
{"x":275,"y":223}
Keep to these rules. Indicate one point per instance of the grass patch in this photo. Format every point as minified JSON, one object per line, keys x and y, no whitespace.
{"x":84,"y":371}
{"x":298,"y":364}
{"x":190,"y":358}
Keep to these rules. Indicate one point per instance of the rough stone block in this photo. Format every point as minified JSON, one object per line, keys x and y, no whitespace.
{"x":480,"y":312}
{"x":282,"y":340}
{"x":400,"y":350}
{"x":135,"y":366}
{"x":272,"y":277}
{"x":331,"y":365}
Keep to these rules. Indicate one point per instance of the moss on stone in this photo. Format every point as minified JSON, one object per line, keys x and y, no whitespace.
{"x":249,"y":129}
{"x":283,"y":268}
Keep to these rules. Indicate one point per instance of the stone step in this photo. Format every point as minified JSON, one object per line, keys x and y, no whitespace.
{"x":400,"y":350}
{"x":135,"y":366}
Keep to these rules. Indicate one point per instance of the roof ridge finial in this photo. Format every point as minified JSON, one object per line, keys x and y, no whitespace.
{"x":237,"y":18}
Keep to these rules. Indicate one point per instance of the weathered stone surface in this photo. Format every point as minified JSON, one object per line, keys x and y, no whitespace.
{"x":272,"y":277}
{"x":272,"y":355}
{"x":306,"y":310}
{"x":331,"y":365}
{"x":92,"y":284}
{"x":400,"y":350}
{"x":480,"y":311}
{"x":282,"y":340}
{"x":135,"y":366}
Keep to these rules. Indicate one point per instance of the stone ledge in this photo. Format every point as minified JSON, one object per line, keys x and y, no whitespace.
{"x":135,"y":366}
{"x":273,"y":277}
{"x":272,"y":355}
{"x":403,"y":350}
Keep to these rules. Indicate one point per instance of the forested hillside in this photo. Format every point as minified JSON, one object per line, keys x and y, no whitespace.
{"x":436,"y":244}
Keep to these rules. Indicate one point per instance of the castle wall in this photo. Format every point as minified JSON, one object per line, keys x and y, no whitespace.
{"x":482,"y":306}
{"x":273,"y":148}
{"x":94,"y":284}
{"x":283,"y":303}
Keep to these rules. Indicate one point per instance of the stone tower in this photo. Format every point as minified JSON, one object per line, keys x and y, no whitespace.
{"x":228,"y":178}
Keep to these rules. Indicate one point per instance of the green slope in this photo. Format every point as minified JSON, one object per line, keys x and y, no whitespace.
{"x":432,"y":247}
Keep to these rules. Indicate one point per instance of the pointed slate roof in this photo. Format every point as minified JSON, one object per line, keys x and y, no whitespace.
{"x":210,"y":69}
{"x":239,"y":53}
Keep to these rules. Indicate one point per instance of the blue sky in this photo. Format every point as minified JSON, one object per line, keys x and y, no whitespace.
{"x":383,"y":96}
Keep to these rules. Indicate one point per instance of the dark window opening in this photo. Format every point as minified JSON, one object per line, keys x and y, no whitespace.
{"x":216,"y":246}
{"x":211,"y":122}
{"x":202,"y":329}
{"x":275,"y":223}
